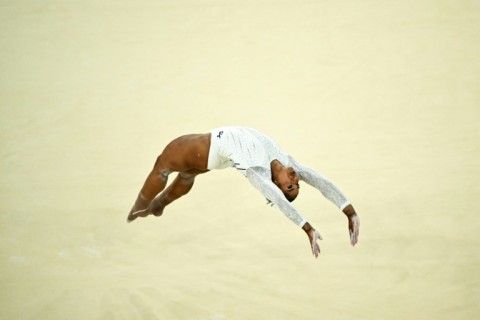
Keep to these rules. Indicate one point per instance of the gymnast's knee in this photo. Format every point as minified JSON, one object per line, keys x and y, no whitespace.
{"x":160,"y":169}
{"x":187,"y":177}
{"x":163,"y":173}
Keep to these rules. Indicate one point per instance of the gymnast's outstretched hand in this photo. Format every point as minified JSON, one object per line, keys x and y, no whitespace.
{"x":353,"y":228}
{"x":313,"y":236}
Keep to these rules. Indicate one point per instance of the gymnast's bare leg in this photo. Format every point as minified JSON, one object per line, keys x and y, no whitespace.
{"x":187,"y":155}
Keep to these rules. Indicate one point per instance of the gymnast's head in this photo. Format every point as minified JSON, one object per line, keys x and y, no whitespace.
{"x":286,"y":179}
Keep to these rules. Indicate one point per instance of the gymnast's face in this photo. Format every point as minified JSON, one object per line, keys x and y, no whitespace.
{"x":287,"y":180}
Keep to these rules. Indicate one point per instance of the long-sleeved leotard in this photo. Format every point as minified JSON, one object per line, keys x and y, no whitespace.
{"x":251,"y":152}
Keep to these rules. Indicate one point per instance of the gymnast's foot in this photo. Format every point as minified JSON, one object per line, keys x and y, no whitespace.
{"x":157,"y":212}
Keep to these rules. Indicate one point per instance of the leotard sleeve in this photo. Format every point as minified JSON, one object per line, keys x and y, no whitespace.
{"x":325,"y":186}
{"x":260,"y":178}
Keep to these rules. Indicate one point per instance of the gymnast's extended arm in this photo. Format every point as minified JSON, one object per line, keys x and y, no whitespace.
{"x":260,"y":178}
{"x":330,"y":191}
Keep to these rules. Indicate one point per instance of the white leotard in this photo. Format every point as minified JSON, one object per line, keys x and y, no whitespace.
{"x":251,"y":152}
{"x":242,"y":148}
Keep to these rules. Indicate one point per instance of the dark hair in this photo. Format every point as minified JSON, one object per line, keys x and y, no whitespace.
{"x":290,"y":198}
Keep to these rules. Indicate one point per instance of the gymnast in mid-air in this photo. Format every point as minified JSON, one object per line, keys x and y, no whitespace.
{"x":269,"y":169}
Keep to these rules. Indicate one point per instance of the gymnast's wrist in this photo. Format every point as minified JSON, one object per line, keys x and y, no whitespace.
{"x":349,"y":211}
{"x":307,"y":227}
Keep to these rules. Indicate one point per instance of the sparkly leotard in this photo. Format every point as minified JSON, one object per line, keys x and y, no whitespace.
{"x":251,"y":152}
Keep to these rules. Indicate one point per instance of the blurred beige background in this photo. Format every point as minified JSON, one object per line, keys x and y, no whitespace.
{"x":382,"y":97}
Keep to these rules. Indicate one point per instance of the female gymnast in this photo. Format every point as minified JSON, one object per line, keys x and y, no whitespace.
{"x":269,"y":169}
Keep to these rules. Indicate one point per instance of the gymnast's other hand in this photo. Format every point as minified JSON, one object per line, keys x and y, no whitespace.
{"x":313,"y":236}
{"x":354,"y":228}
